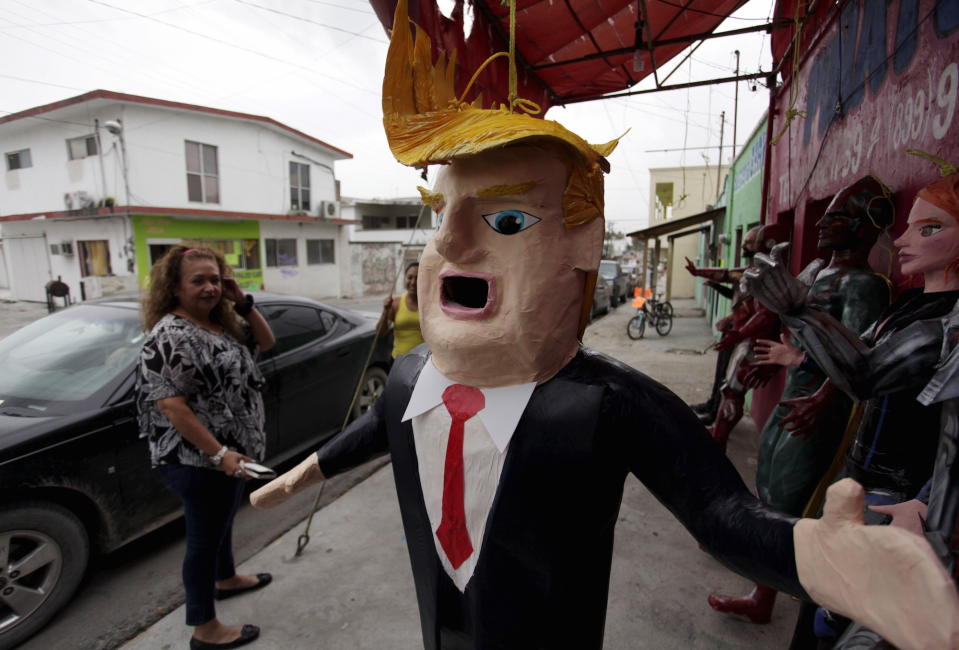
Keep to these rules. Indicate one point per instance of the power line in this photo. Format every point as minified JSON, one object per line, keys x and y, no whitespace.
{"x":112,"y":66}
{"x":234,"y":45}
{"x":312,"y":22}
{"x":108,"y":20}
{"x":331,"y":4}
{"x":42,"y":83}
{"x":47,"y":119}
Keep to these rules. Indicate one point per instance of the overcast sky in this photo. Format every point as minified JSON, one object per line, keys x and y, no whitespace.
{"x":317,"y":66}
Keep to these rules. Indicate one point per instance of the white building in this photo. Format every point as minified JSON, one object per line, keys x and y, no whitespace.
{"x":97,"y":187}
{"x":678,"y":193}
{"x":386,"y":235}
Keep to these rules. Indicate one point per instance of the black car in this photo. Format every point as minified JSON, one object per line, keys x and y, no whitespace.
{"x":75,"y":476}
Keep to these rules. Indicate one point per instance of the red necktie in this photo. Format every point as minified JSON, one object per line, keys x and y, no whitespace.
{"x":462,"y":402}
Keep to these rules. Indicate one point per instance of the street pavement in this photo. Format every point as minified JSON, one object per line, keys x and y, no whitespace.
{"x":352,"y":588}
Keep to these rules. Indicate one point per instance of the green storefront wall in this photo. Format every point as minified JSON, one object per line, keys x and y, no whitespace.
{"x":159,"y":227}
{"x":742,"y":197}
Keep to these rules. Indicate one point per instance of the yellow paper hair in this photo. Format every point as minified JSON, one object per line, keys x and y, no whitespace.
{"x":426,"y":124}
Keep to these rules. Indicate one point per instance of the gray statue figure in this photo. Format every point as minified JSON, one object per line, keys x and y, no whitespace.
{"x":791,"y":462}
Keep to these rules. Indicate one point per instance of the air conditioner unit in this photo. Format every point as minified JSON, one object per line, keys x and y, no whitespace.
{"x":66,"y":248}
{"x":79,"y":200}
{"x":328,"y":210}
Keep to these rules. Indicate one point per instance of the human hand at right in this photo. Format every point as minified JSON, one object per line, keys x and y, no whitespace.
{"x":281,"y":488}
{"x":883,"y":577}
{"x":388,"y":302}
{"x":691,"y":267}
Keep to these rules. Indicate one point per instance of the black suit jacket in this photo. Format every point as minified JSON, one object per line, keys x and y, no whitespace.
{"x":543,"y":573}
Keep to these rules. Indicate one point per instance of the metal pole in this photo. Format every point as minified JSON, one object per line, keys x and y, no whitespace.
{"x":719,"y":165}
{"x":126,"y":176}
{"x":735,"y":107}
{"x":103,"y":173}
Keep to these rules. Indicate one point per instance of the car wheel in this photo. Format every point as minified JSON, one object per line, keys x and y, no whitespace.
{"x":374,"y":382}
{"x":44,"y":551}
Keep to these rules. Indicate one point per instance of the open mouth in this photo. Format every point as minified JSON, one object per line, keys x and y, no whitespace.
{"x":466,"y":295}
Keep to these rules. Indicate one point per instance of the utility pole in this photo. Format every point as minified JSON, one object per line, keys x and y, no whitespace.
{"x":735,"y":108}
{"x":719,"y":166}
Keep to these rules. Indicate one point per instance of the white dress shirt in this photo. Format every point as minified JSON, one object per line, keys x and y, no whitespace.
{"x":486,"y":437}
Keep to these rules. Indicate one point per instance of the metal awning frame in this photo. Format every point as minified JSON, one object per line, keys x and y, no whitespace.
{"x":676,"y":225}
{"x":660,"y":86}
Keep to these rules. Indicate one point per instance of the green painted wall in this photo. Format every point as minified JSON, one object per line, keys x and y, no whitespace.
{"x":742,"y":196}
{"x":147,"y":227}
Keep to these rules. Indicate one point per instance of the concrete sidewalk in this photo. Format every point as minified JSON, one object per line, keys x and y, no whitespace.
{"x":352,"y":587}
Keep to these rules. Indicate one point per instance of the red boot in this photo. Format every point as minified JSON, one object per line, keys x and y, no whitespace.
{"x":757,"y":606}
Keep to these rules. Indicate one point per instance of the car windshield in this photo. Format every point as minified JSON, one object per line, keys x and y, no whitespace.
{"x":607,"y":270}
{"x":58,"y":361}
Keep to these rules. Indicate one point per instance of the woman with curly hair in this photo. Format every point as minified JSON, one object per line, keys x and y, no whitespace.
{"x":199,"y":405}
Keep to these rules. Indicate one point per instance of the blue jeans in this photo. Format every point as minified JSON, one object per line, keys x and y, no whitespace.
{"x":210,"y":501}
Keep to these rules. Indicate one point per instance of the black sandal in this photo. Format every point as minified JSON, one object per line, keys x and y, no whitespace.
{"x":263,"y":579}
{"x":248,"y":634}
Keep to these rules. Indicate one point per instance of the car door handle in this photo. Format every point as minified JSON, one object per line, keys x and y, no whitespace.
{"x":343,"y":353}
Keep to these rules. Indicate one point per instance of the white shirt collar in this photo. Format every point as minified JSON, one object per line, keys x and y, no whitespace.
{"x":504,"y":405}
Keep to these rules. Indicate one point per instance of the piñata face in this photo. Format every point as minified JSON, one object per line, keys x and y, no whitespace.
{"x":930,"y":242}
{"x":502,"y":280}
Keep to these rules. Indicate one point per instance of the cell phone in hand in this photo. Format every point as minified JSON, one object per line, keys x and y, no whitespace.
{"x":255,"y":470}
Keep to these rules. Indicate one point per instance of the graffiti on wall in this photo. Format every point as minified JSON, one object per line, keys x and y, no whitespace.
{"x":857,"y":58}
{"x":884,"y":78}
{"x":753,"y":162}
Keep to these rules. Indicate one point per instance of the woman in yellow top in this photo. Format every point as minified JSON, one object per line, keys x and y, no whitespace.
{"x":403,"y":313}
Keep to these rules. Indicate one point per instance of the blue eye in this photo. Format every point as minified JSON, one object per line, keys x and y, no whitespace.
{"x":510,"y":222}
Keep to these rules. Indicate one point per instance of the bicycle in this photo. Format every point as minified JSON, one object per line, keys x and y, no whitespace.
{"x":665,"y":305}
{"x":659,"y":315}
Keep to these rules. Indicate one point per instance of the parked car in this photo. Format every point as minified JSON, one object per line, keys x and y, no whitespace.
{"x":632,"y":278}
{"x":75,"y":476}
{"x":613,"y":272}
{"x":602,"y":296}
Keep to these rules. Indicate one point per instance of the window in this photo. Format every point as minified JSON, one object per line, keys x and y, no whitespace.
{"x":299,"y":186}
{"x":320,"y":251}
{"x":94,"y":258}
{"x":19,"y":159}
{"x":293,"y":325}
{"x":328,"y":320}
{"x":202,"y":177}
{"x":375,"y":222}
{"x":281,"y":252}
{"x":239,"y":253}
{"x":406,"y":222}
{"x":82,"y":147}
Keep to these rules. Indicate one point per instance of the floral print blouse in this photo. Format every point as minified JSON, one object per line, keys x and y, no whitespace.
{"x":221,"y":381}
